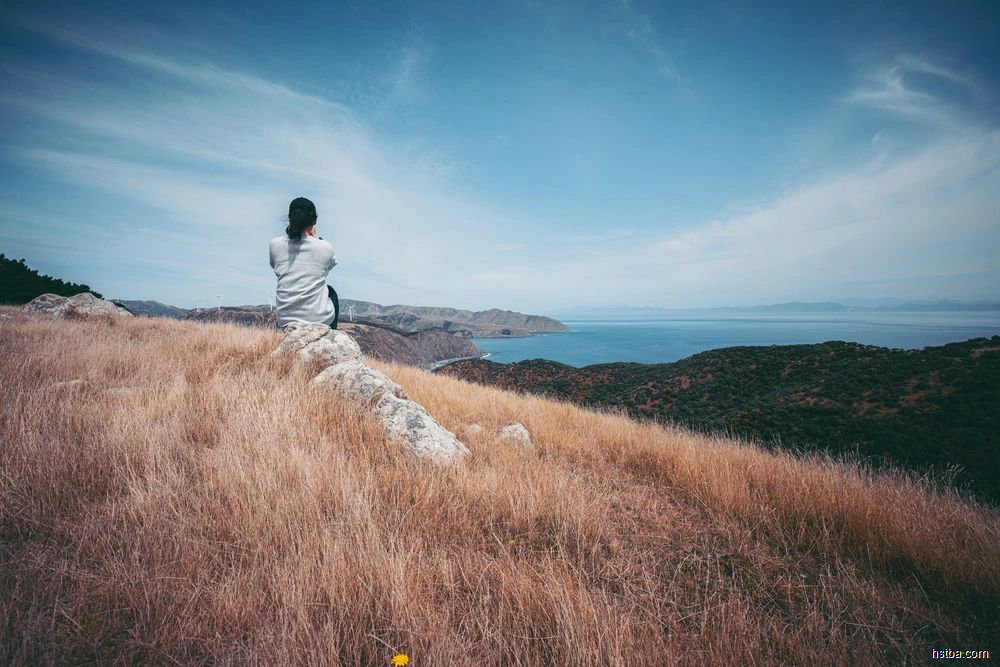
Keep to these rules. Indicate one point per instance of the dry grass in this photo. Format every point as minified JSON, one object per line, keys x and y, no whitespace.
{"x":221,"y":509}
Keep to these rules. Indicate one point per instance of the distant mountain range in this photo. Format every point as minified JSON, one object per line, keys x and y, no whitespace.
{"x":840,"y":306}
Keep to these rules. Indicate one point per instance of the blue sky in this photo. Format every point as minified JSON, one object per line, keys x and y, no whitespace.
{"x":535,"y":156}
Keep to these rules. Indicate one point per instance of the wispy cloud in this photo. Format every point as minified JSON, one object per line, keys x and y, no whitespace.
{"x":406,"y":81}
{"x":205,"y":74}
{"x":882,"y":222}
{"x":207,"y":158}
{"x":644,"y":37}
{"x":925,"y":65}
{"x":890,"y":88}
{"x":221,"y":162}
{"x":896,"y":220}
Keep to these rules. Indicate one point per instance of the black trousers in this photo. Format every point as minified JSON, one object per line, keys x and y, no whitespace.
{"x":336,"y":306}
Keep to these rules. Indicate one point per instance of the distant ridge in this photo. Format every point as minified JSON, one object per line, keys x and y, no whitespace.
{"x":152,"y":308}
{"x":493,"y":323}
{"x":842,"y":306}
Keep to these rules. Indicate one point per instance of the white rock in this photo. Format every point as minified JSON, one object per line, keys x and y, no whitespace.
{"x":473,"y":429}
{"x":78,"y":305}
{"x":358,"y":381}
{"x":318,"y":341}
{"x":516,"y":434}
{"x":408,"y":422}
{"x":346,"y":373}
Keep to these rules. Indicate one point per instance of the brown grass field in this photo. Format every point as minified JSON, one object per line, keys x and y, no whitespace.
{"x":193,"y":501}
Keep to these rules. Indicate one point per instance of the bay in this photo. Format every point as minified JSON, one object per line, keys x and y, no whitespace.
{"x":665,"y":339}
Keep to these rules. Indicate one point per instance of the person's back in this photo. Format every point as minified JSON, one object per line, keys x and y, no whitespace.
{"x":301,"y":261}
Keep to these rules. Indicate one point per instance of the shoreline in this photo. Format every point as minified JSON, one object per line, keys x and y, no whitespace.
{"x":437,"y":365}
{"x":530,"y":334}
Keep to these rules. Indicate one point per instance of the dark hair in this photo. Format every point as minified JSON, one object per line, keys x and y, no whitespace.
{"x":301,"y":216}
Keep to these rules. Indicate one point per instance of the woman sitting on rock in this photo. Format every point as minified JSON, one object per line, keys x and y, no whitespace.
{"x":301,"y":260}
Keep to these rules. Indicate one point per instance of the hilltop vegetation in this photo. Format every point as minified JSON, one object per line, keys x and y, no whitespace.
{"x":20,"y":284}
{"x":935,"y":407}
{"x":170,"y":493}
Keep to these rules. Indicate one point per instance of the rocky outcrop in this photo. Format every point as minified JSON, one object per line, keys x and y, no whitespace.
{"x":404,"y":420}
{"x":79,"y":305}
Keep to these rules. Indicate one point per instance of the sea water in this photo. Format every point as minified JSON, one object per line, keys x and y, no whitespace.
{"x":664,"y":339}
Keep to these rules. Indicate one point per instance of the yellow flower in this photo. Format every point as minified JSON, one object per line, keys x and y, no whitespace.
{"x":400,"y":659}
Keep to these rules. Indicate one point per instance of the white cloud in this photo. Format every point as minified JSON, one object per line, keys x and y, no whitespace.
{"x":220,"y":163}
{"x":925,"y":223}
{"x":216,"y":164}
{"x":891,"y":88}
{"x":933,"y":212}
{"x":925,"y":65}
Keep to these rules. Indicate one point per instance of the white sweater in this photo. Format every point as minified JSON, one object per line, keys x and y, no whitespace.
{"x":301,"y":267}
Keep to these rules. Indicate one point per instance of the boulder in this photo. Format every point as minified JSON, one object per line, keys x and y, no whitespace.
{"x":516,"y":434}
{"x":408,"y":422}
{"x":346,"y":372}
{"x":359,"y":381}
{"x":78,"y":305}
{"x":318,"y":341}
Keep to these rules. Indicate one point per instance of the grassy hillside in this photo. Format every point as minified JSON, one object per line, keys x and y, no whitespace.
{"x":171,"y":494}
{"x":20,"y":284}
{"x":922,"y":409}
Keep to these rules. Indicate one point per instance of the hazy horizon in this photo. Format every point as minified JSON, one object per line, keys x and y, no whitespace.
{"x":539,"y":157}
{"x":885,"y":302}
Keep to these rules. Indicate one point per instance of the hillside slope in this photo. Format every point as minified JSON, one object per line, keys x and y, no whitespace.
{"x":935,"y":407}
{"x":495,"y":323}
{"x":148,"y":308}
{"x":170,"y":493}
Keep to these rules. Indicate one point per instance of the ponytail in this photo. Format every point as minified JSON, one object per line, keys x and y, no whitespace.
{"x":301,"y":216}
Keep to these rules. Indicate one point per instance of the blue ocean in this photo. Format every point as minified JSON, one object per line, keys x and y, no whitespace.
{"x":664,"y":339}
